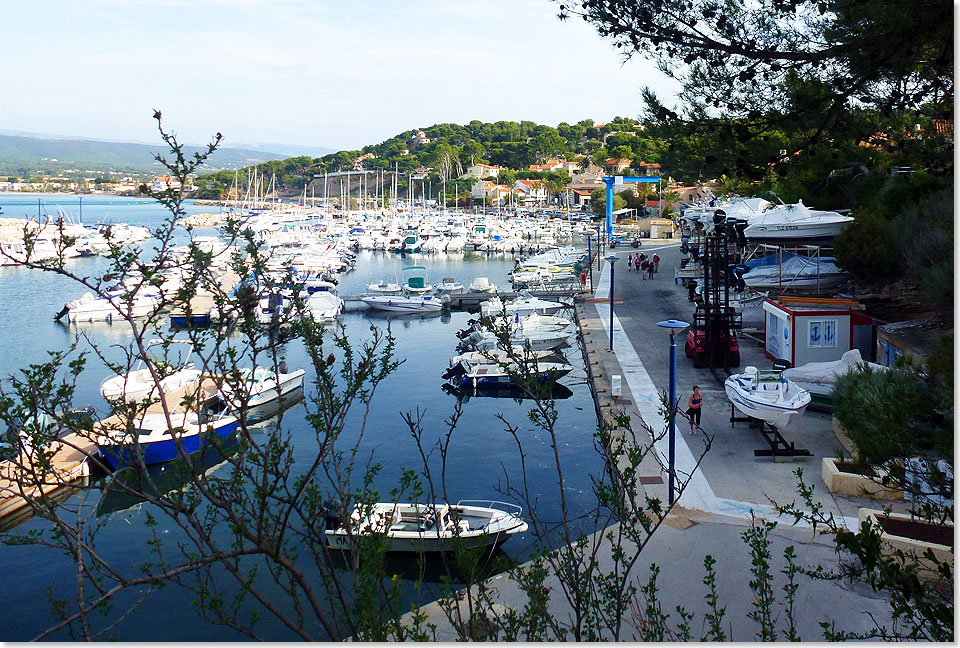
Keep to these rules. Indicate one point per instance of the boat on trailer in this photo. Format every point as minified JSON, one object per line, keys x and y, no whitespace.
{"x":412,"y":527}
{"x":768,"y":396}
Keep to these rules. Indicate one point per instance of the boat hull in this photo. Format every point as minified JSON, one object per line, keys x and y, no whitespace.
{"x":403,"y":305}
{"x":779,"y":416}
{"x":154,"y":452}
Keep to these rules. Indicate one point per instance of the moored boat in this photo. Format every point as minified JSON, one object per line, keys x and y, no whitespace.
{"x":403,"y":304}
{"x":411,"y":527}
{"x":139,"y":384}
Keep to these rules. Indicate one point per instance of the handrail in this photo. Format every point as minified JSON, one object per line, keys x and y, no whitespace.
{"x":492,"y":504}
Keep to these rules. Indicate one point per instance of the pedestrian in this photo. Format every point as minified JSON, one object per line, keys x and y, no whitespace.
{"x":694,"y":405}
{"x":656,"y":263}
{"x":636,"y":262}
{"x":644,"y":265}
{"x":629,"y":262}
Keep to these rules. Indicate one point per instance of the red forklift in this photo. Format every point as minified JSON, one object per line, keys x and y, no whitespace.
{"x":712,"y":339}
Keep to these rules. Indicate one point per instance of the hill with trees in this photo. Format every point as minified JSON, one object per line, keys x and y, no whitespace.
{"x":26,"y":156}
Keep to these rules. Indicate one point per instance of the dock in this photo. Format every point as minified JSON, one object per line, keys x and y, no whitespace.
{"x":22,"y":480}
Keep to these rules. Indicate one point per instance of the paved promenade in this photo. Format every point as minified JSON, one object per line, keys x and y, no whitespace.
{"x":729,"y":485}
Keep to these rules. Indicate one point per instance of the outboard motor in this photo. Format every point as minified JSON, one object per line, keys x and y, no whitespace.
{"x":719,"y":217}
{"x":780,"y":365}
{"x":739,"y":229}
{"x":455,"y":371}
{"x":331,"y":516}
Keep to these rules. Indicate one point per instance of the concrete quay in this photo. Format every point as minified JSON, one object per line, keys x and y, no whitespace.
{"x":729,"y":486}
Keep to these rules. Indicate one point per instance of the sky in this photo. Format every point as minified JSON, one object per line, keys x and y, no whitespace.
{"x":332,"y":74}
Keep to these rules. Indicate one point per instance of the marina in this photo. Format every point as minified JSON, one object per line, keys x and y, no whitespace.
{"x":417,"y":382}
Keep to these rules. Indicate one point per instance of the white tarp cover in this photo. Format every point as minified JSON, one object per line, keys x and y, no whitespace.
{"x":824,"y":373}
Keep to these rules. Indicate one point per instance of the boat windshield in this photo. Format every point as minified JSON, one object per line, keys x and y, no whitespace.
{"x":769,"y":376}
{"x":175,"y":354}
{"x":257,"y":374}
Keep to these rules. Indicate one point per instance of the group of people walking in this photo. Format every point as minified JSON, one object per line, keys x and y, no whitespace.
{"x":647,"y":267}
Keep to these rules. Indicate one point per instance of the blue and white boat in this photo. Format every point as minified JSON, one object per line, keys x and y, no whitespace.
{"x":767,"y":396}
{"x":155,"y":439}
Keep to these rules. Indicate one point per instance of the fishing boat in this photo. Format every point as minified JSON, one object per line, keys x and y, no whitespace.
{"x":403,"y":303}
{"x":263,"y":391}
{"x":154,"y":438}
{"x":384,"y":288}
{"x":140,"y":384}
{"x":767,"y":396}
{"x":476,"y":369}
{"x":409,"y":527}
{"x":416,"y":281}
{"x":449,"y":286}
{"x":482,"y":285}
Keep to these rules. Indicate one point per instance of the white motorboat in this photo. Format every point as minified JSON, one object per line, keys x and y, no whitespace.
{"x":95,"y":308}
{"x":818,"y":377}
{"x":768,"y":396}
{"x":496,"y":369}
{"x":263,"y":391}
{"x":794,"y":223}
{"x":271,"y":308}
{"x":535,"y":339}
{"x":403,"y":303}
{"x":384,"y":288}
{"x":449,"y":286}
{"x":524,"y":304}
{"x":139,"y":384}
{"x":324,"y":306}
{"x":482,"y":285}
{"x":797,"y":272}
{"x":428,"y":527}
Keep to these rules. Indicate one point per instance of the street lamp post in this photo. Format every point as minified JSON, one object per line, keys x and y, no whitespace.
{"x":674,"y":327}
{"x":589,"y":238}
{"x":613,"y":258}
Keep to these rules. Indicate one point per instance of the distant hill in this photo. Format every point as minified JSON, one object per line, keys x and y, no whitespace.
{"x":23,"y":155}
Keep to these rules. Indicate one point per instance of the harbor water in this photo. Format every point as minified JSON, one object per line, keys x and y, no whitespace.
{"x":482,"y":453}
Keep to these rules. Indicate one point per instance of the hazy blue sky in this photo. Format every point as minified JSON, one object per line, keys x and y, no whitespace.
{"x":336,"y":74}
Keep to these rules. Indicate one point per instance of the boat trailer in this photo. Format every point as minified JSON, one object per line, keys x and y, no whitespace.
{"x":779,"y":446}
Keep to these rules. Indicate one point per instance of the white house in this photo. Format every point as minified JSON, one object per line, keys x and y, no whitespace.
{"x":533,"y":190}
{"x":482,"y":171}
{"x":162,"y":183}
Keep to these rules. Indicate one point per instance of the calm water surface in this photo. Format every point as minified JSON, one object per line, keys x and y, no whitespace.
{"x":480,"y":454}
